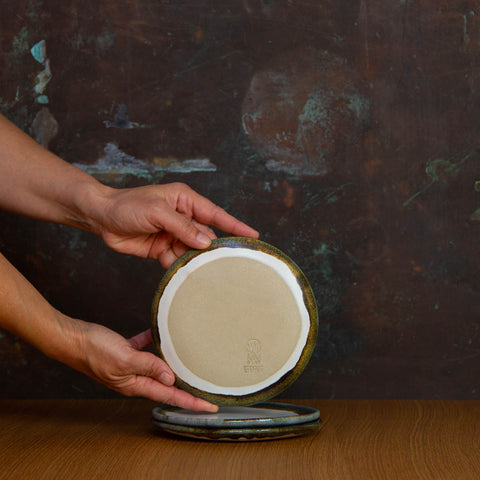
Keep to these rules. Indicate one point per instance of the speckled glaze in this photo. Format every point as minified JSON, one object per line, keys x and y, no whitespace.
{"x":309,"y":300}
{"x":239,"y":434}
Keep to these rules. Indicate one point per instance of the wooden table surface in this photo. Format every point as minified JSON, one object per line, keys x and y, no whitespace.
{"x":364,"y":439}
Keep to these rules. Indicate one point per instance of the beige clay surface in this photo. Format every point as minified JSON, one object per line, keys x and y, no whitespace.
{"x":234,"y":322}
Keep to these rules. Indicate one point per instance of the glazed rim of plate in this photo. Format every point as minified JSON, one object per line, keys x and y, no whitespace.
{"x":260,"y":415}
{"x":235,"y":319}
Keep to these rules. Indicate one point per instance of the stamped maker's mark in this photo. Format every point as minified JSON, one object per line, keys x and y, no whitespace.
{"x":254,"y":356}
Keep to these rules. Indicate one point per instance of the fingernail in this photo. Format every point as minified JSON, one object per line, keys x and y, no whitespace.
{"x":203,"y":239}
{"x":167,"y":379}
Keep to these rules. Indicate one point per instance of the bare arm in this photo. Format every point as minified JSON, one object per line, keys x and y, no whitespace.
{"x":155,"y":221}
{"x":90,"y":348}
{"x":36,"y":183}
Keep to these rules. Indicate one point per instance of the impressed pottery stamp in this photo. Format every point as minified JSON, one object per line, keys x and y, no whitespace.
{"x":254,"y":356}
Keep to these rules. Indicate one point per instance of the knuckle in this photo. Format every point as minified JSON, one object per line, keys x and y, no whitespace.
{"x":180,"y":186}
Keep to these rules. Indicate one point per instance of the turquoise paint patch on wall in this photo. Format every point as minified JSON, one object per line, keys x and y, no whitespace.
{"x":42,"y":100}
{"x":39,"y":51}
{"x":119,"y":164}
{"x":315,"y":110}
{"x":359,"y":105}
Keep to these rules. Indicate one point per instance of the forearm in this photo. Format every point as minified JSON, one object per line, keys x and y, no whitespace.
{"x":90,"y":348}
{"x":26,"y":314}
{"x":36,"y":183}
{"x":154,"y":221}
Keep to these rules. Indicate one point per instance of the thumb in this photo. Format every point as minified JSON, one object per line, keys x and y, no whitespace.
{"x":148,"y":365}
{"x":181,"y":227}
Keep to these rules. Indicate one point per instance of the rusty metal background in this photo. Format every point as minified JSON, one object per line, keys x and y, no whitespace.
{"x":347,"y":132}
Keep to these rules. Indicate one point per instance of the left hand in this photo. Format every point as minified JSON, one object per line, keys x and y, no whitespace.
{"x":164,"y":221}
{"x":120,"y":364}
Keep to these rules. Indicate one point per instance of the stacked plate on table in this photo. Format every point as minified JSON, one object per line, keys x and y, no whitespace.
{"x":237,"y":324}
{"x":258,"y":422}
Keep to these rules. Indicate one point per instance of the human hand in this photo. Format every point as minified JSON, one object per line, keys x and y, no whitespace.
{"x":163,"y":221}
{"x":155,"y":221}
{"x":120,"y":364}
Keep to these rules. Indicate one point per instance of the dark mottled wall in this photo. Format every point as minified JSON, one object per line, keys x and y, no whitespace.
{"x":347,"y":132}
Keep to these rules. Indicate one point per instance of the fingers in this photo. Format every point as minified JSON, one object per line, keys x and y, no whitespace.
{"x":205,"y":229}
{"x":167,"y":258}
{"x":148,"y":365}
{"x":182,"y":228}
{"x":141,"y":340}
{"x":151,"y":389}
{"x":208,"y":213}
{"x":229,"y":224}
{"x":178,"y":248}
{"x":154,"y":380}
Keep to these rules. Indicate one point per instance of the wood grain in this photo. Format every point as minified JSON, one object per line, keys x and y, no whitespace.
{"x":364,"y":439}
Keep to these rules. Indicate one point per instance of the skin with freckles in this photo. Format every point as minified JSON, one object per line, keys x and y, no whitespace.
{"x":160,"y":222}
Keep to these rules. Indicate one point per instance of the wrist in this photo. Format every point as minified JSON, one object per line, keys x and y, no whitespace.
{"x":69,"y":344}
{"x":89,"y":199}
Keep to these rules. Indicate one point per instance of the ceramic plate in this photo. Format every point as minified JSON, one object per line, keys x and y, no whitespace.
{"x":261,"y":415}
{"x":239,"y":434}
{"x":236,"y":323}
